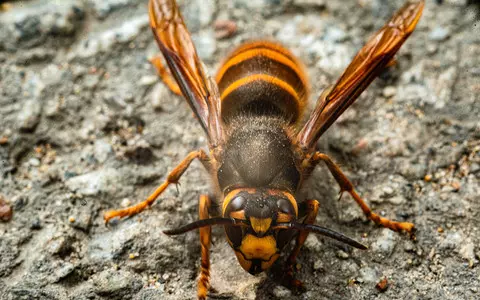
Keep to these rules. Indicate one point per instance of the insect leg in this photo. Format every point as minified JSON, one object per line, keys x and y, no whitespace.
{"x":165,"y":75}
{"x":347,"y":186}
{"x":310,"y":210}
{"x":205,"y":241}
{"x":173,"y":177}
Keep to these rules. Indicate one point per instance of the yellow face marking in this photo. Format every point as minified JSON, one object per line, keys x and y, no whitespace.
{"x":246,"y":264}
{"x":238,"y":215}
{"x":254,"y":247}
{"x":293,"y":201}
{"x":283,"y":218}
{"x":260,"y":226}
{"x":268,"y":264}
{"x":229,"y":198}
{"x":232,"y":195}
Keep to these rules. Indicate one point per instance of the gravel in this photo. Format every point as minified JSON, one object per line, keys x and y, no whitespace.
{"x":86,"y":126}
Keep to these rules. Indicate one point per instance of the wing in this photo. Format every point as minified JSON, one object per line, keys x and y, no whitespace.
{"x":367,"y":64}
{"x":176,"y":45}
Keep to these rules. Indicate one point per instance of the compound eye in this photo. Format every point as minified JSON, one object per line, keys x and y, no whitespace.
{"x":284,"y":206}
{"x":236,"y":204}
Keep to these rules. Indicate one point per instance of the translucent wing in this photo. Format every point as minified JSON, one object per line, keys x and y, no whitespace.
{"x":364,"y":68}
{"x":176,"y":45}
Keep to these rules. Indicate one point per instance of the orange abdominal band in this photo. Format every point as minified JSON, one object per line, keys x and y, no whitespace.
{"x":262,"y":77}
{"x":276,"y":56}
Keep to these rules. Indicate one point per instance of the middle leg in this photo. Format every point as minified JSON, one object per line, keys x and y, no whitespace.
{"x":310,"y":207}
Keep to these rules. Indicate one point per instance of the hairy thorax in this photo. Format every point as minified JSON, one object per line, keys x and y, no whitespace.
{"x":258,"y":154}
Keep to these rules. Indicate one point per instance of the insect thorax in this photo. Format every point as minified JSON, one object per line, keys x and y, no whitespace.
{"x":258,"y":154}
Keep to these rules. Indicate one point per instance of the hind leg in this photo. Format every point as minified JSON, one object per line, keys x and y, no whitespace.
{"x":347,"y":186}
{"x":165,"y":75}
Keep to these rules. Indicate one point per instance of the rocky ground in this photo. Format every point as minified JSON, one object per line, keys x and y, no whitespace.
{"x":86,"y":126}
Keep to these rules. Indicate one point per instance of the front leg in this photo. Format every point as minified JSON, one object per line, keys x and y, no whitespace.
{"x":205,"y":241}
{"x":347,"y":186}
{"x":173,"y":177}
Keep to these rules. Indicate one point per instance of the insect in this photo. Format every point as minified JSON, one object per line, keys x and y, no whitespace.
{"x":259,"y":153}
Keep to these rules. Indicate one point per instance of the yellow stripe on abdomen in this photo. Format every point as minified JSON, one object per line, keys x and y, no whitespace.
{"x":259,"y":77}
{"x":262,"y":78}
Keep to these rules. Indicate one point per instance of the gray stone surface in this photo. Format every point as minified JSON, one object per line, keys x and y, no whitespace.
{"x":86,"y":127}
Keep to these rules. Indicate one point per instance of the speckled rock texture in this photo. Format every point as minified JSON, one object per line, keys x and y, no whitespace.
{"x":86,"y":126}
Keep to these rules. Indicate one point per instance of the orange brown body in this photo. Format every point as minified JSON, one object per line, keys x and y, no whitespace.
{"x":260,"y":155}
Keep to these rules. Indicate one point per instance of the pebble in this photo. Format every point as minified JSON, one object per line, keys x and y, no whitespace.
{"x":459,"y":3}
{"x":95,"y":182}
{"x":126,"y":202}
{"x":81,"y":219}
{"x":60,"y":245}
{"x":102,"y":151}
{"x":140,"y":152}
{"x":160,"y":96}
{"x":282,"y":292}
{"x":251,"y":5}
{"x":198,"y":14}
{"x":62,"y":271}
{"x":332,"y":57}
{"x":397,"y":200}
{"x":389,"y":91}
{"x":104,"y":41}
{"x":318,"y":265}
{"x":467,"y":250}
{"x":412,"y":75}
{"x":388,"y":191}
{"x":385,"y":243}
{"x":6,"y":211}
{"x":51,"y":75}
{"x":313,"y":4}
{"x":148,"y":80}
{"x":115,"y":283}
{"x":29,"y":115}
{"x":368,"y":275}
{"x":451,"y":241}
{"x":444,"y":85}
{"x":439,"y":34}
{"x":36,"y":224}
{"x":103,"y":8}
{"x":335,"y":35}
{"x":31,"y":24}
{"x":288,"y":31}
{"x":342,"y":254}
{"x":314,"y":243}
{"x":36,"y":55}
{"x":382,"y":285}
{"x":265,"y":7}
{"x":34,"y":162}
{"x":412,"y":171}
{"x":206,"y":44}
{"x":19,"y":202}
{"x":105,"y":247}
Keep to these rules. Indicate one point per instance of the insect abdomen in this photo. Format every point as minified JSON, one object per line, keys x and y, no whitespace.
{"x":262,"y":78}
